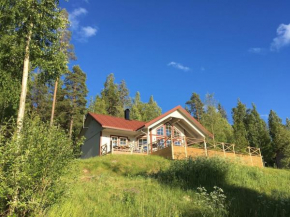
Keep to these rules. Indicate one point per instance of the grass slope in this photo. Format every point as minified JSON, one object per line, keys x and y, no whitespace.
{"x":152,"y":186}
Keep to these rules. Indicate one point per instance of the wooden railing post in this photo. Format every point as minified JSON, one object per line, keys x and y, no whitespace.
{"x":185,"y":146}
{"x":251,"y":155}
{"x":205,"y":148}
{"x":223,"y":145}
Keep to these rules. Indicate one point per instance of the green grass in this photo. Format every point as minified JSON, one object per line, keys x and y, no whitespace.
{"x":152,"y":186}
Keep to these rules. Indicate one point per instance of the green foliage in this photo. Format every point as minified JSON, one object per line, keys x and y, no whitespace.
{"x":222,"y":111}
{"x":75,"y":92}
{"x":195,"y":106}
{"x":39,"y":98}
{"x":258,"y":134}
{"x":280,"y":137}
{"x":240,"y":132}
{"x":144,"y":111}
{"x":217,"y":124}
{"x":31,"y":168}
{"x":117,"y":185}
{"x":115,"y":98}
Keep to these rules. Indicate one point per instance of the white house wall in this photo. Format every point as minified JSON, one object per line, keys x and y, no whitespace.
{"x":107,"y":134}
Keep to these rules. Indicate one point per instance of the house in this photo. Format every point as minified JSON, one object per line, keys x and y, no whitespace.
{"x":173,"y":135}
{"x":106,"y":134}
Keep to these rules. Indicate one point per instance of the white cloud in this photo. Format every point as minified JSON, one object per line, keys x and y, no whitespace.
{"x":178,"y":66}
{"x":74,"y":17}
{"x":282,"y":39}
{"x":255,"y":50}
{"x":88,"y":31}
{"x":81,"y":33}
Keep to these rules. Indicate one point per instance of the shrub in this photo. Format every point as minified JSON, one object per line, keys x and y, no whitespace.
{"x":32,"y":164}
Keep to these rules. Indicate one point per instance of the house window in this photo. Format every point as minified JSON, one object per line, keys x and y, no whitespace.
{"x":114,"y":141}
{"x":168,"y":143}
{"x":160,"y":143}
{"x":168,"y":129}
{"x":142,"y":142}
{"x":123,"y":141}
{"x":176,"y":133}
{"x":178,"y":143}
{"x":160,"y":131}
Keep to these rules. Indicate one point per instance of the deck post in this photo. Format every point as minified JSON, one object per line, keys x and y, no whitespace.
{"x":150,"y":140}
{"x":205,"y":148}
{"x":185,"y":147}
{"x":251,"y":155}
{"x":223,"y":144}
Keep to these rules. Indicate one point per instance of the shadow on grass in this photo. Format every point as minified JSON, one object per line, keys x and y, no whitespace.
{"x":241,"y":201}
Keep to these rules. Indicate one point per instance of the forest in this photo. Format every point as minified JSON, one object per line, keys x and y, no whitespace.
{"x":43,"y":103}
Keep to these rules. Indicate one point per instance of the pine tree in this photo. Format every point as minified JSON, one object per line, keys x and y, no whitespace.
{"x":222,"y":111}
{"x":240,"y":132}
{"x":136,"y":109}
{"x":258,"y":134}
{"x":195,"y":106}
{"x":100,"y":106}
{"x":287,"y":124}
{"x":124,"y":95}
{"x":68,"y":49}
{"x":111,"y":96}
{"x":76,"y":92}
{"x":151,"y":110}
{"x":280,"y":137}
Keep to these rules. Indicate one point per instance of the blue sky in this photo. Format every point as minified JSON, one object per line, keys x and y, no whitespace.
{"x":169,"y":49}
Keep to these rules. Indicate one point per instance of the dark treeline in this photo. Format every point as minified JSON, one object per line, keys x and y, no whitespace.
{"x":114,"y":98}
{"x":248,"y":128}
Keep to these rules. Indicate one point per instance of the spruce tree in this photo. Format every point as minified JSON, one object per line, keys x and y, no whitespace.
{"x":124,"y":95}
{"x":222,"y":111}
{"x":100,"y":106}
{"x":240,"y":132}
{"x":111,"y":96}
{"x":151,"y":110}
{"x":195,"y":106}
{"x":258,"y":134}
{"x":76,"y":92}
{"x":280,"y":137}
{"x":136,"y":109}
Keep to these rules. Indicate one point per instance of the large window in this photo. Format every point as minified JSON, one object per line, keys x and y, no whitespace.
{"x":143,"y":144}
{"x":114,"y":141}
{"x":168,"y":129}
{"x":176,"y":133}
{"x":160,"y":143}
{"x":123,"y":141}
{"x":160,"y":131}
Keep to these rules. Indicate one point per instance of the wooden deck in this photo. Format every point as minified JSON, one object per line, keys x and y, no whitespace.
{"x":253,"y":158}
{"x":180,"y":153}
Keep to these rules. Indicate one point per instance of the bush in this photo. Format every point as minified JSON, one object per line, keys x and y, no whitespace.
{"x":32,"y":164}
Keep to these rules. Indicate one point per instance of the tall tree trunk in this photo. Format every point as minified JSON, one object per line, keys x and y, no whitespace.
{"x":71,"y":127}
{"x":21,"y":110}
{"x":53,"y":103}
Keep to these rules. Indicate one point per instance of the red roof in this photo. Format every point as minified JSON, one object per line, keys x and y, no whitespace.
{"x":117,"y":123}
{"x":122,"y":124}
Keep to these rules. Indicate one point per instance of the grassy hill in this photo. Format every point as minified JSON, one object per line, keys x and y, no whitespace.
{"x":152,"y":186}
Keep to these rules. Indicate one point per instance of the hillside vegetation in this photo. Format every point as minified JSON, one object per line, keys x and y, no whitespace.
{"x":152,"y":186}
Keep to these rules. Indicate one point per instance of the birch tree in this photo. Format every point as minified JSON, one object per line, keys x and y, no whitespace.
{"x":35,"y":25}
